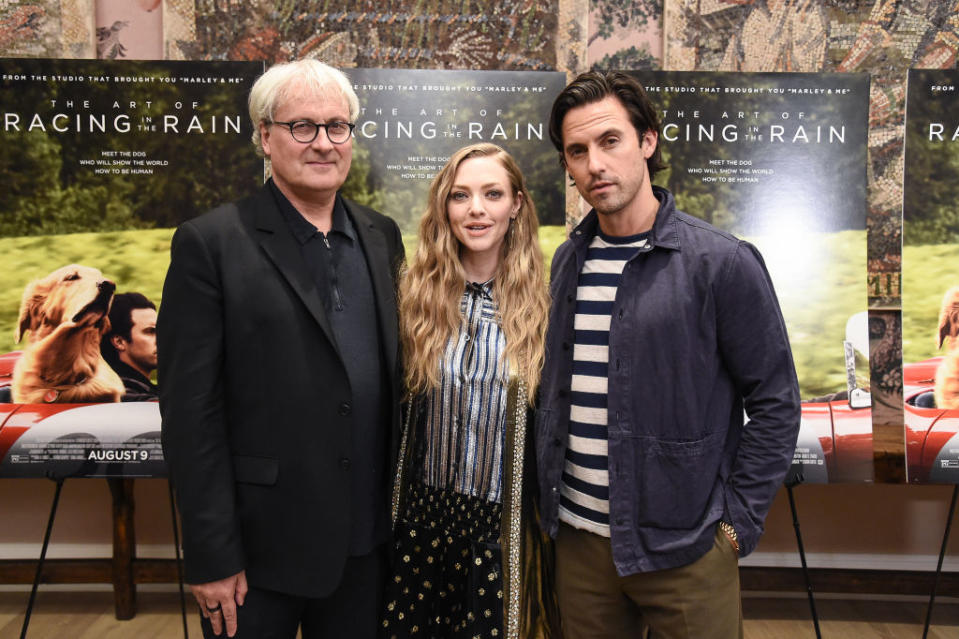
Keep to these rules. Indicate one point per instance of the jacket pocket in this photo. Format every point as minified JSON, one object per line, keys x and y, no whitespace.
{"x":249,"y":469}
{"x":674,"y":479}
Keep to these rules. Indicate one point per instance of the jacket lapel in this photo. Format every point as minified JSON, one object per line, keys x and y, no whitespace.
{"x":378,"y":260}
{"x":281,"y":247}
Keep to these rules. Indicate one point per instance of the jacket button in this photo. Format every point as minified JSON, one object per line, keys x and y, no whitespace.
{"x":563,"y":393}
{"x":620,"y":313}
{"x":344,"y":463}
{"x":345,"y":408}
{"x":570,"y":298}
{"x":565,"y":346}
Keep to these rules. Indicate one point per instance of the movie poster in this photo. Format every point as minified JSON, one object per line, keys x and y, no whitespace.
{"x":104,"y":159}
{"x":100,"y":161}
{"x":930,"y":277}
{"x":411,"y":121}
{"x":780,"y":160}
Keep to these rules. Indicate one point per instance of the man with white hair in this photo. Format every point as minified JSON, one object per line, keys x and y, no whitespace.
{"x":280,"y":379}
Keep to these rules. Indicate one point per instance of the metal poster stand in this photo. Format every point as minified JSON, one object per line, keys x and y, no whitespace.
{"x":43,"y":556}
{"x":794,"y":478}
{"x":942,"y":554}
{"x":121,"y":490}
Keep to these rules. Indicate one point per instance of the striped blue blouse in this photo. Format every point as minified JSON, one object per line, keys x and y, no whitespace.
{"x":463,"y":423}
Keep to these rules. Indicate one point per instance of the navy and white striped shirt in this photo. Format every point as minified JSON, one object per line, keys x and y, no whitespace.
{"x":463,"y":424}
{"x":584,"y":498}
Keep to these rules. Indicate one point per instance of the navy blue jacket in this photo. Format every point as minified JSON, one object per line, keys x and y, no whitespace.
{"x":696,"y":336}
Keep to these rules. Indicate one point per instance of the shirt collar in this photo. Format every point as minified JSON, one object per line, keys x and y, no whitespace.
{"x":476,"y":289}
{"x":301,"y":228}
{"x":663,"y":234}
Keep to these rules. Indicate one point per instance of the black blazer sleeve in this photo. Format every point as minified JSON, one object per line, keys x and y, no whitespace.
{"x":190,"y":342}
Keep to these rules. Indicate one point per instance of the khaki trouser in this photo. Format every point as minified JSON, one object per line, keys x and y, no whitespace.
{"x":697,"y":601}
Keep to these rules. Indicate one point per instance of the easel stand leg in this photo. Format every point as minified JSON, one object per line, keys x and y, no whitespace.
{"x":802,"y":559}
{"x":124,"y":548}
{"x":942,"y":554}
{"x":179,"y":560}
{"x":43,"y":556}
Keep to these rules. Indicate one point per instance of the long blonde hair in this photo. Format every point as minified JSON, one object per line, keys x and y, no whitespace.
{"x":433,"y":285}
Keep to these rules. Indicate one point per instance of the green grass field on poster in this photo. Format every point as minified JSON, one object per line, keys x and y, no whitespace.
{"x":134,"y":260}
{"x":820,"y":282}
{"x":816,"y":307}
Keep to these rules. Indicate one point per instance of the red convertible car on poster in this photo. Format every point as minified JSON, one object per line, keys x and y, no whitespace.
{"x":835,"y":435}
{"x":77,"y":440}
{"x":932,"y":434}
{"x":835,"y":441}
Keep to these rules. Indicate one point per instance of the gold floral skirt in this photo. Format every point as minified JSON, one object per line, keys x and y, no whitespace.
{"x":446,"y":578}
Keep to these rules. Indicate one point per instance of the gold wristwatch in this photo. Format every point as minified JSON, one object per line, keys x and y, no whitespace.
{"x":730,"y":532}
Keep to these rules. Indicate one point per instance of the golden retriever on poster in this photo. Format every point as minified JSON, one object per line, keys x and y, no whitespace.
{"x":947,"y":375}
{"x":65,"y":314}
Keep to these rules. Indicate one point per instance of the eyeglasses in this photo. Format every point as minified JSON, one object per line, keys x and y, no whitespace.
{"x":305,"y":131}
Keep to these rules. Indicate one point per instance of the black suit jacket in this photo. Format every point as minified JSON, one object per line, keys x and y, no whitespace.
{"x":255,"y":399}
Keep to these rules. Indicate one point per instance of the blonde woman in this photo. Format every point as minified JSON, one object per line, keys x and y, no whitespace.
{"x":468,"y":557}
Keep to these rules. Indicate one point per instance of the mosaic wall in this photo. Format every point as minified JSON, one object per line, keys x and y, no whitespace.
{"x":30,"y":29}
{"x":48,"y":28}
{"x":129,"y":30}
{"x":625,"y":34}
{"x":442,"y":34}
{"x":492,"y":34}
